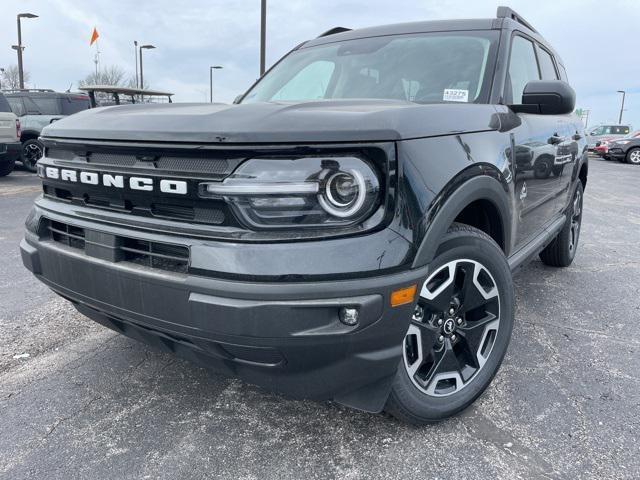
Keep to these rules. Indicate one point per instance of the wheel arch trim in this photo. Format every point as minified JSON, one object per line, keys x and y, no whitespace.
{"x":482,"y":187}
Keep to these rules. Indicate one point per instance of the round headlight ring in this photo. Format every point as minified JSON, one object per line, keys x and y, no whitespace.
{"x":339,"y":209}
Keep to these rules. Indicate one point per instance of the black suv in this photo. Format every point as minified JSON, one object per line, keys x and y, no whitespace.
{"x":625,"y":150}
{"x":348,"y":230}
{"x":37,"y":109}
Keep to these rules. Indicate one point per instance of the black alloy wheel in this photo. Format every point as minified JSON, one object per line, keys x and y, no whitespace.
{"x":562,"y":250}
{"x":32,"y":151}
{"x":459,"y":331}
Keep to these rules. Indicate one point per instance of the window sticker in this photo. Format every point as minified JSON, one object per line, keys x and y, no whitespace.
{"x":455,"y":95}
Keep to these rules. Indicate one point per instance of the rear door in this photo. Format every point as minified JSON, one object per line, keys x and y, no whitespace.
{"x":537,"y":143}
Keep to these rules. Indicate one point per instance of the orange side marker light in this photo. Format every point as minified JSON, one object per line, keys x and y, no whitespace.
{"x":403,"y":296}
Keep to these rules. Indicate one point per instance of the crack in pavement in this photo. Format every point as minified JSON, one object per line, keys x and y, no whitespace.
{"x":70,"y":417}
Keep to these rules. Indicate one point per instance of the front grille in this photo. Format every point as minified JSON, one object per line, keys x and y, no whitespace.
{"x":163,"y":256}
{"x":191,"y":166}
{"x":205,"y":211}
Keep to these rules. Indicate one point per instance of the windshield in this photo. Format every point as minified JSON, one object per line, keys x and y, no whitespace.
{"x":423,"y":68}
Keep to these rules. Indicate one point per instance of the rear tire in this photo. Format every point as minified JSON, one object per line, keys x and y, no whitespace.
{"x":7,"y":168}
{"x":32,"y":151}
{"x":562,"y":250}
{"x":633,"y":156}
{"x":458,"y":335}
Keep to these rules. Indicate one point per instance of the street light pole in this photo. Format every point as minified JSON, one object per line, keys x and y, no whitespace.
{"x":624,"y":94}
{"x":20,"y":47}
{"x":135,"y":48}
{"x":263,"y":35}
{"x":143,"y":47}
{"x":211,"y":69}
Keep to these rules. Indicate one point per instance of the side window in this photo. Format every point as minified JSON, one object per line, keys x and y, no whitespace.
{"x":17,"y":106}
{"x":47,"y":105}
{"x":563,"y":73}
{"x":620,"y":130}
{"x":31,"y":107}
{"x":310,"y":82}
{"x":522,"y":67}
{"x":547,"y":67}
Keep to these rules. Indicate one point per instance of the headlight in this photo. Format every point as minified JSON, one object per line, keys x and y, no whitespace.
{"x":307,"y":192}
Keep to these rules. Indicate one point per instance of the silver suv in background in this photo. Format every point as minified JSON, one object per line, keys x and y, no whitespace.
{"x":9,"y":138}
{"x":605,"y":132}
{"x":37,"y":109}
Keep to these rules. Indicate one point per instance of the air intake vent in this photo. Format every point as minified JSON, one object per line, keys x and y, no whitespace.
{"x":164,"y":256}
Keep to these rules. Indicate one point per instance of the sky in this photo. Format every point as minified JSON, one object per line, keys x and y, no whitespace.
{"x":597,"y":40}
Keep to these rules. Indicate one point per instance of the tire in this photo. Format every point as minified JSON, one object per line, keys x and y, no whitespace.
{"x":465,"y":331}
{"x":562,"y":250}
{"x":542,"y":168}
{"x":7,"y":168}
{"x":633,"y":156}
{"x":557,"y":170}
{"x":32,"y":151}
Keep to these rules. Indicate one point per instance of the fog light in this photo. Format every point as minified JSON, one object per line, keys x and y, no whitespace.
{"x":349,"y":316}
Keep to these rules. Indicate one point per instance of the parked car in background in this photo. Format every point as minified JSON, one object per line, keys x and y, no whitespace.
{"x":602,"y":147}
{"x":625,"y":150}
{"x":9,"y":137}
{"x":37,"y":109}
{"x":601,"y":132}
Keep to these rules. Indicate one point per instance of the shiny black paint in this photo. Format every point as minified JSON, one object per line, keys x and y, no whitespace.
{"x":447,"y":157}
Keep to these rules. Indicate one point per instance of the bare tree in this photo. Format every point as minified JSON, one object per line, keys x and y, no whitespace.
{"x":131,"y":83}
{"x":10,"y":78}
{"x":112,"y":75}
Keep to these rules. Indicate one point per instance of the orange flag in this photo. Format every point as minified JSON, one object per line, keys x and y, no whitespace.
{"x":94,"y":36}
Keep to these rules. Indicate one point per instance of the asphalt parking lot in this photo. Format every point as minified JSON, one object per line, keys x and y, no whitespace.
{"x":88,"y":403}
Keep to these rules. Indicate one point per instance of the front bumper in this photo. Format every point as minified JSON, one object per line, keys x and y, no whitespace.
{"x":285,"y":336}
{"x":617,"y":154}
{"x":10,"y":152}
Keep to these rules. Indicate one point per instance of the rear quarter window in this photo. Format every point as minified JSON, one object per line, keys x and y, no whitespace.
{"x":71,"y":105}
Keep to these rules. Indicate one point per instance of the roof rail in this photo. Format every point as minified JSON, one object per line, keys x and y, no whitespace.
{"x":506,"y":12}
{"x":333,"y":31}
{"x":19,"y":90}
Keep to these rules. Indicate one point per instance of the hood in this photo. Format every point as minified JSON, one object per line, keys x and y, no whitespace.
{"x":307,"y":122}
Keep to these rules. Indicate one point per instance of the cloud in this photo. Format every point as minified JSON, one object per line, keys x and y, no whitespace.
{"x":595,"y":39}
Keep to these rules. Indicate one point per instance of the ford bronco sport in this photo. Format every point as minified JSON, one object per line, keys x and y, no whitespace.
{"x":348,"y":230}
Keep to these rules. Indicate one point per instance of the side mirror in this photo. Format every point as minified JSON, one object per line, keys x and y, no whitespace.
{"x":547,"y":97}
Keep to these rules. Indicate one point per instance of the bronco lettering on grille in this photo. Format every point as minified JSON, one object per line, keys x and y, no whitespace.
{"x":115,"y":181}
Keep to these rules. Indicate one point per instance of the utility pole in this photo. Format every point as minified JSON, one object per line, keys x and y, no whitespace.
{"x":20,"y":48}
{"x":624,"y":94}
{"x":135,"y":48}
{"x":263,"y":35}
{"x":211,"y":69}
